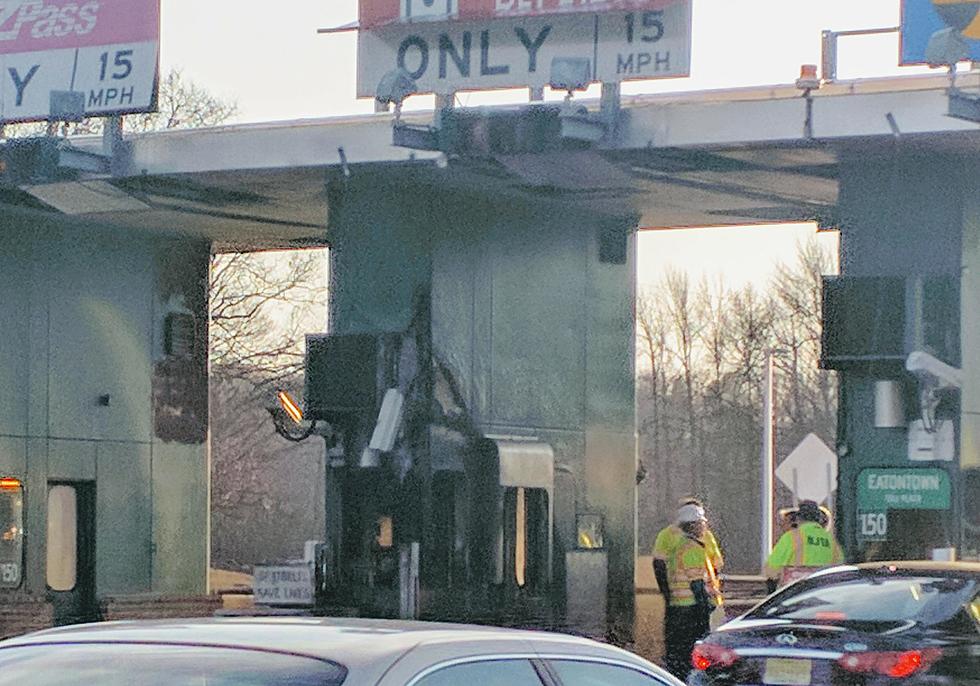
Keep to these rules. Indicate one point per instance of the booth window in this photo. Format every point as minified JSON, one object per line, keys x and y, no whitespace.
{"x":526,"y":535}
{"x":589,"y":532}
{"x":62,"y":540}
{"x":11,"y":533}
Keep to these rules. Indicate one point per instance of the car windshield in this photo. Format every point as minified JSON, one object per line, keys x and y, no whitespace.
{"x":160,"y":665}
{"x":922,"y":600}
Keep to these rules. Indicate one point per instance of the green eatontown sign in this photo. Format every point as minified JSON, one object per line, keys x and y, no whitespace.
{"x":880,"y":490}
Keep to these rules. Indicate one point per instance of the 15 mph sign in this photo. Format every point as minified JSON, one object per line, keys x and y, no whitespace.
{"x":445,"y":49}
{"x":106,"y":50}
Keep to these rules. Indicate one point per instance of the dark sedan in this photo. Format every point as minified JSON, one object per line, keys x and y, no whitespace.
{"x":870,"y":625}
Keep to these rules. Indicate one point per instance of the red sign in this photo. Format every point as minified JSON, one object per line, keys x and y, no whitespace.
{"x":35,"y":25}
{"x":375,"y":13}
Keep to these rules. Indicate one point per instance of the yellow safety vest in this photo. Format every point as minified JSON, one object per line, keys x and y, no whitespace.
{"x":802,"y":550}
{"x":689,"y":563}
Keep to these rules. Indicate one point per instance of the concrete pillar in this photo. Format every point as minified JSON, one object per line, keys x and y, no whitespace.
{"x":531,"y":314}
{"x":970,"y":347}
{"x":970,"y":328}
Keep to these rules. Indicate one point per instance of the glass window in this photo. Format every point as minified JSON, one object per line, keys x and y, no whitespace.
{"x":576,"y":673}
{"x":520,"y":543}
{"x":386,"y":532}
{"x":590,"y":535}
{"x":11,"y":532}
{"x":62,"y":540}
{"x":876,"y":600}
{"x":487,"y":673}
{"x":160,"y":665}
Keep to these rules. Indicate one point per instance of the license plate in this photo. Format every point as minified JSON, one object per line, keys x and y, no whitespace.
{"x":783,"y":672}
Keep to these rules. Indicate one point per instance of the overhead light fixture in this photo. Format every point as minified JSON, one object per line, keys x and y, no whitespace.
{"x":570,"y":74}
{"x":946,"y":48}
{"x":289,"y":406}
{"x":395,"y":86}
{"x":808,"y":80}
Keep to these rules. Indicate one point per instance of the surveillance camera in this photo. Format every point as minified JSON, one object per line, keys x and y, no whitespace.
{"x":946,"y":48}
{"x":932,"y":372}
{"x":395,"y":86}
{"x":570,"y":74}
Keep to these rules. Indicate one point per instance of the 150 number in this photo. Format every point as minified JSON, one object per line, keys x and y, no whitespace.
{"x":122,"y":63}
{"x":649,"y":26}
{"x":874,"y":525}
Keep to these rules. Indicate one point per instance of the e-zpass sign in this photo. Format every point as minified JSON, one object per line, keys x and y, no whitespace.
{"x":105,"y":50}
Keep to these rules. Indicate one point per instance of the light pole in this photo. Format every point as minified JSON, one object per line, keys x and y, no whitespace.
{"x":768,"y":459}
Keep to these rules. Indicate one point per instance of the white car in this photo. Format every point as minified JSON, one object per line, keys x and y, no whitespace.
{"x":315,"y":652}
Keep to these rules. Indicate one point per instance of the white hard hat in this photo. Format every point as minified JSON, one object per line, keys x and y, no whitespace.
{"x":690,"y":514}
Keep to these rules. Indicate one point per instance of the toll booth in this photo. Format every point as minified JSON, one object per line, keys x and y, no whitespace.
{"x":476,"y":394}
{"x":900,"y":329}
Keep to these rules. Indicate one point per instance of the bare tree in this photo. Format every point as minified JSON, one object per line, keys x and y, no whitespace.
{"x":267,"y":493}
{"x":700,"y":361}
{"x":685,"y":330}
{"x":809,"y":392}
{"x":655,"y":370}
{"x":262,"y":304}
{"x":182,"y":104}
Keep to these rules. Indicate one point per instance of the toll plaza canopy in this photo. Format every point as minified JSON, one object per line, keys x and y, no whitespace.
{"x":534,"y":231}
{"x":709,"y":158}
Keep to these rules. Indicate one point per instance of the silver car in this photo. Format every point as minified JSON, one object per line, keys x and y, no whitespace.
{"x":320,"y":652}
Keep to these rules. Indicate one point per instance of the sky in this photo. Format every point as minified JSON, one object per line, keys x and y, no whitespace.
{"x":268,"y":58}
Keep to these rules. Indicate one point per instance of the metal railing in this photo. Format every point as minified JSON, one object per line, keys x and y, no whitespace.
{"x":828,"y":51}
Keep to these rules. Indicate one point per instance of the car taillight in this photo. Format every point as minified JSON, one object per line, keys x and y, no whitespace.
{"x":708,"y":655}
{"x":897,"y":665}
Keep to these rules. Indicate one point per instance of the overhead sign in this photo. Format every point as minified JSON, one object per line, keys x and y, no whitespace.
{"x":515,"y":46}
{"x":104,"y":51}
{"x":922,"y":19}
{"x":375,"y":13}
{"x":290,"y":584}
{"x":810,"y":470}
{"x":880,"y":490}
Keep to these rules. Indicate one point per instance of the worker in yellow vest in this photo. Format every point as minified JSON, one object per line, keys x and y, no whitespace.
{"x":689,"y":583}
{"x":803,"y":549}
{"x":670,"y":536}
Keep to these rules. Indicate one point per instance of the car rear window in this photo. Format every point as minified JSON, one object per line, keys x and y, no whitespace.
{"x":872,"y":599}
{"x":159,"y":665}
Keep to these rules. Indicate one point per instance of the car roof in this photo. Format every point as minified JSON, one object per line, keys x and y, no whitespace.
{"x":367,"y":646}
{"x":924,"y":566}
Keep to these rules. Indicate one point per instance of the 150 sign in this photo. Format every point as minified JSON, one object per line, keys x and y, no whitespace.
{"x":514,"y":53}
{"x":873,"y":526}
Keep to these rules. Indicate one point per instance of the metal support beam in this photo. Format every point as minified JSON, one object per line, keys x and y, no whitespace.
{"x":963,"y":105}
{"x":829,"y":39}
{"x":610,"y":102}
{"x":81,"y":160}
